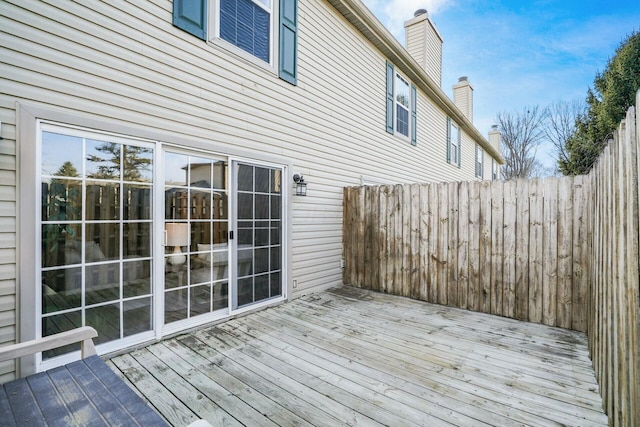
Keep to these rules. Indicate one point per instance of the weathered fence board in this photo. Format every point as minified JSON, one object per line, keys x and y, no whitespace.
{"x":535,"y":251}
{"x":521,"y":231}
{"x":474,"y":288}
{"x":463,"y":245}
{"x":549,"y":285}
{"x":509,"y":248}
{"x":497,"y":242}
{"x":485,"y":247}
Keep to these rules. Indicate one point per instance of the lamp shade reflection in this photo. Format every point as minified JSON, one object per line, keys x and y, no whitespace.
{"x":177,"y":236}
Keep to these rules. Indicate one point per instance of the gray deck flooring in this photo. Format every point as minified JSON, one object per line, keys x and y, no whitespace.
{"x":353,"y":357}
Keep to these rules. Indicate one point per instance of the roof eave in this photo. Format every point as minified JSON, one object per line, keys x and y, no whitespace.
{"x":356,"y":13}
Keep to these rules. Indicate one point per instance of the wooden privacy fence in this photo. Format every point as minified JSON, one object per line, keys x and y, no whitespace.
{"x":614,"y":309}
{"x":559,"y":251}
{"x":516,"y":249}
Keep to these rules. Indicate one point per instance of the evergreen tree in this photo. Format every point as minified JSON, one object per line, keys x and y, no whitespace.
{"x":614,"y":91}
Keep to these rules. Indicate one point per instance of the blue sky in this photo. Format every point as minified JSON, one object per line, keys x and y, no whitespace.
{"x":518,"y":53}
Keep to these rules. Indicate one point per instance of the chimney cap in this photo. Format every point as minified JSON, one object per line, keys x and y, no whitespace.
{"x":463,"y":79}
{"x":419,"y":12}
{"x":494,"y":127}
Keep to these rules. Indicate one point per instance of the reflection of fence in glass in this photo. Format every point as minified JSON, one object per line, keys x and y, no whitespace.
{"x":199,"y":206}
{"x":61,"y":202}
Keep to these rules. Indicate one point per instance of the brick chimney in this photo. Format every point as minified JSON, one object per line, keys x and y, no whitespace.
{"x":495,"y":137}
{"x":463,"y":97}
{"x":424,"y":43}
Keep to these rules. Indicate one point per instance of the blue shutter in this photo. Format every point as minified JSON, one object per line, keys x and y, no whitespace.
{"x":390,"y":79}
{"x":449,"y":139}
{"x":191,"y":16}
{"x":288,"y":41}
{"x":414,"y":109}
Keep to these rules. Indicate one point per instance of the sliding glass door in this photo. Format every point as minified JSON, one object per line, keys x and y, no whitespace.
{"x":196,"y":230}
{"x":258,"y":221}
{"x":140,"y":240}
{"x":96,"y":224}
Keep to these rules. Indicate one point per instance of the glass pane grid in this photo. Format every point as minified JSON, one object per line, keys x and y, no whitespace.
{"x":259,"y":209}
{"x":85,"y":219}
{"x":198,"y":200}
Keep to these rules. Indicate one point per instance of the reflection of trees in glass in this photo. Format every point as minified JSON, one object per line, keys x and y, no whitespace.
{"x":131,"y":163}
{"x":67,"y":169}
{"x":60,"y":203}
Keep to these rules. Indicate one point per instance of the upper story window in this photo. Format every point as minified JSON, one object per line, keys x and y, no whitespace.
{"x":494,"y":169}
{"x":479,"y":161}
{"x":454,"y":143}
{"x":265,"y":29}
{"x":401,"y":105}
{"x":247,"y":25}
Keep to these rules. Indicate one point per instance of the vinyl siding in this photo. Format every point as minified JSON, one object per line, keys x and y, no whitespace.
{"x":124,"y":63}
{"x":434,"y":56}
{"x":414,"y":42}
{"x":7,"y":234}
{"x":463,"y":99}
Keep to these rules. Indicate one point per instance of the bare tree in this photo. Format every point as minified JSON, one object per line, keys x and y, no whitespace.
{"x":522,"y":133}
{"x":560,"y":125}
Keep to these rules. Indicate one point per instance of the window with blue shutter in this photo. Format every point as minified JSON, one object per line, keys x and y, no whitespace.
{"x":288,"y":48}
{"x":390,"y":74}
{"x":402,"y":100}
{"x":454,"y":143}
{"x":479,"y":161}
{"x":191,"y":16}
{"x":401,"y":105}
{"x":247,"y":25}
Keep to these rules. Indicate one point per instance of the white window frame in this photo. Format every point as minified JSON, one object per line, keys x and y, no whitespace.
{"x":494,"y":169}
{"x":214,"y":17}
{"x":114,"y":137}
{"x":479,"y":161}
{"x":397,"y":75}
{"x":455,"y":141}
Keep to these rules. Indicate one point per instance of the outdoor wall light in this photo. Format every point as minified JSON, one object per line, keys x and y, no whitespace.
{"x":301,"y":186}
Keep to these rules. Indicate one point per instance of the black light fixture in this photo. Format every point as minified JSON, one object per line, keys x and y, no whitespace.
{"x":301,"y":186}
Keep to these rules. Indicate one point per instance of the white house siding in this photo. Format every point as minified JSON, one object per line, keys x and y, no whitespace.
{"x":123,"y":63}
{"x":7,"y":234}
{"x":415,"y":43}
{"x":434,"y":57}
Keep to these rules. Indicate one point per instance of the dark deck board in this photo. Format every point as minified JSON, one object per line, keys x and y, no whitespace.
{"x":83,"y":410}
{"x":23,"y":404}
{"x":54,"y":410}
{"x":5,"y":409}
{"x":82,"y":393}
{"x":354,"y":357}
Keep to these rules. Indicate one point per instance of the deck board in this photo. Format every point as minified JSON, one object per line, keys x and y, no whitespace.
{"x":353,"y":357}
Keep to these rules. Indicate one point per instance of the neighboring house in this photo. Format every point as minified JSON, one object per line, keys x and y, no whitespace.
{"x":149,"y":150}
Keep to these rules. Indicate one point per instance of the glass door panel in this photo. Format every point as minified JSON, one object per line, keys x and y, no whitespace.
{"x":196,"y":236}
{"x":259,"y":234}
{"x":96,"y":222}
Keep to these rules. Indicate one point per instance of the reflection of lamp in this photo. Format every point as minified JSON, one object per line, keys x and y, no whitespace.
{"x":301,"y":186}
{"x":177,"y":235}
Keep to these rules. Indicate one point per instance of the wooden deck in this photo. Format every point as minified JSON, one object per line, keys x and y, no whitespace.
{"x":354,"y":357}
